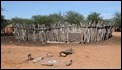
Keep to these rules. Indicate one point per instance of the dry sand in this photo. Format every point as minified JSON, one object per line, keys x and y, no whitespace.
{"x":96,"y":55}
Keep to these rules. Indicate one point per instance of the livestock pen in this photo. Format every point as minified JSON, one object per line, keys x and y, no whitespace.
{"x":63,"y":32}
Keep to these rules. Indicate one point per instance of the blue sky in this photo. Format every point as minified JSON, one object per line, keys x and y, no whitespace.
{"x":26,"y":9}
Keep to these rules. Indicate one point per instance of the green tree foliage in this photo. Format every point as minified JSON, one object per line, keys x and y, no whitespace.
{"x":21,"y":20}
{"x":3,"y":20}
{"x":106,"y":21}
{"x":39,"y":19}
{"x":56,"y":17}
{"x":117,"y":19}
{"x":47,"y":19}
{"x":70,"y":16}
{"x":94,"y":17}
{"x":74,"y":17}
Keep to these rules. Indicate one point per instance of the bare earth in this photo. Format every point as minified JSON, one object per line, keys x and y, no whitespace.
{"x":103,"y":54}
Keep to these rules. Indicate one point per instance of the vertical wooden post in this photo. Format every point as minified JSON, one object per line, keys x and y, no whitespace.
{"x":67,"y":34}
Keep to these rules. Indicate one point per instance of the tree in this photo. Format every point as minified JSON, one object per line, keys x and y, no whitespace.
{"x":21,"y":20}
{"x":56,"y":17}
{"x":47,"y":19}
{"x":41,"y":19}
{"x":94,"y":17}
{"x":107,"y":21}
{"x":3,"y":20}
{"x":74,"y":17}
{"x":117,"y":19}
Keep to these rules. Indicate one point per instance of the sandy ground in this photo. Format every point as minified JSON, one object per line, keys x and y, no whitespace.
{"x":102,"y":55}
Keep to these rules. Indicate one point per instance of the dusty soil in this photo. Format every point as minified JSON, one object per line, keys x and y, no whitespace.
{"x":103,"y":54}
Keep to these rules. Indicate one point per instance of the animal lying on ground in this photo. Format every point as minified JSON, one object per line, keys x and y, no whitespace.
{"x":37,"y":59}
{"x":34,"y":60}
{"x":62,"y":54}
{"x":69,"y":62}
{"x":29,"y":57}
{"x":49,"y":55}
{"x":66,"y":52}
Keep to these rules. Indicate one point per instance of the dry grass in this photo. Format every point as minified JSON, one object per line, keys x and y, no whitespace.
{"x":104,"y":54}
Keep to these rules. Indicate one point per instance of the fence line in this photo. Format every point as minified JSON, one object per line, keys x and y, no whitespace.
{"x":63,"y":32}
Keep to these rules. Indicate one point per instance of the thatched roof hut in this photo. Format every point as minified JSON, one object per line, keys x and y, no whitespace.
{"x":8,"y":29}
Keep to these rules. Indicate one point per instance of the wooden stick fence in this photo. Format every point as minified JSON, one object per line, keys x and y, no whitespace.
{"x":61,"y":33}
